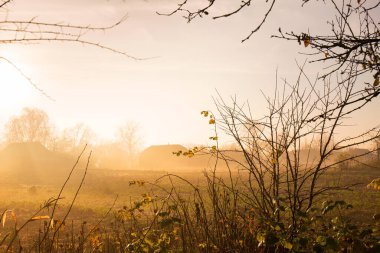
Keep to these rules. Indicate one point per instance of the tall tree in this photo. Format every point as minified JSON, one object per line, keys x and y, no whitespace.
{"x":31,"y":126}
{"x":130,"y":141}
{"x":73,"y":139}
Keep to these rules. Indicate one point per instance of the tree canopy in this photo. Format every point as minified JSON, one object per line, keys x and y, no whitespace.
{"x":31,"y":126}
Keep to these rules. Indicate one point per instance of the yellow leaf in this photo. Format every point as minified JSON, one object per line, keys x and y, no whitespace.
{"x":190,"y":153}
{"x":204,"y":113}
{"x":147,"y":197}
{"x":202,"y":245}
{"x":4,"y":217}
{"x":306,"y":41}
{"x":13,"y":216}
{"x":51,"y":224}
{"x":63,"y":224}
{"x":177,"y":153}
{"x":376,"y":82}
{"x":43,"y":217}
{"x":375,"y":184}
{"x":288,"y":245}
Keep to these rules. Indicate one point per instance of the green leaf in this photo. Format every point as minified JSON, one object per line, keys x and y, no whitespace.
{"x":321,"y":240}
{"x":260,"y":238}
{"x":287,"y":245}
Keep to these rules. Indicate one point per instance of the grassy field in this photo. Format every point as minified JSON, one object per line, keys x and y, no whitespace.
{"x":101,"y":188}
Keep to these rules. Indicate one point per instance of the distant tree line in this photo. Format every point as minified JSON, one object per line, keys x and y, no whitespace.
{"x":34,"y":125}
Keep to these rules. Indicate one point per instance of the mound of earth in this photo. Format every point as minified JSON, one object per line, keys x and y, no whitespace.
{"x":31,"y":162}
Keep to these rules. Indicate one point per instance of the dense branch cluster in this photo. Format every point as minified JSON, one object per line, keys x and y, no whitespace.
{"x":354,"y":40}
{"x":273,"y":146}
{"x":191,"y":11}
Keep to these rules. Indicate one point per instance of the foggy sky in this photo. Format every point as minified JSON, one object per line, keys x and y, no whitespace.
{"x":165,"y":94}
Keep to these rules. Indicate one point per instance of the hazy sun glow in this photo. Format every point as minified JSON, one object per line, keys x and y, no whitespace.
{"x":189,"y":65}
{"x":15,"y":88}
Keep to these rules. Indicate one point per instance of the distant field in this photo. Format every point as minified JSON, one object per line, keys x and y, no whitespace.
{"x":101,"y":187}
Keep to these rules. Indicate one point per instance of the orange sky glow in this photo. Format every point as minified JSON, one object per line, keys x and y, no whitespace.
{"x":190,"y":64}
